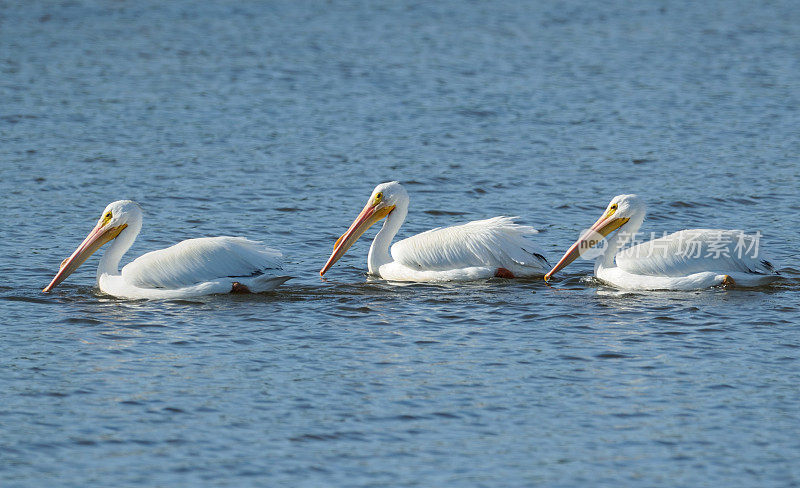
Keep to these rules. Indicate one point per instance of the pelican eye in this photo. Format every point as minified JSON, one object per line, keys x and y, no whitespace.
{"x":378,"y":197}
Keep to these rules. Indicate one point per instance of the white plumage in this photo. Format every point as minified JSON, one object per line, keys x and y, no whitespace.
{"x":475,"y":250}
{"x":694,"y":251}
{"x":199,"y":260}
{"x":193,"y":267}
{"x":497,"y":242}
{"x":685,"y":260}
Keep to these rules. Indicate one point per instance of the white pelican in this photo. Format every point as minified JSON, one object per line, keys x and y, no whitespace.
{"x":686,"y":260}
{"x":472,"y":251}
{"x":192,"y":267}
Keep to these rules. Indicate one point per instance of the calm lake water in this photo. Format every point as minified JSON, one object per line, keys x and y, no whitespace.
{"x":275,"y":120}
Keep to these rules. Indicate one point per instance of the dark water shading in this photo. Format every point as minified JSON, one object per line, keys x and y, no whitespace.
{"x":274,"y":121}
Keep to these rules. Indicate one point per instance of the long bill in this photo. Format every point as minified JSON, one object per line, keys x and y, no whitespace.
{"x":604,"y":226}
{"x":97,"y":237}
{"x":366,"y":219}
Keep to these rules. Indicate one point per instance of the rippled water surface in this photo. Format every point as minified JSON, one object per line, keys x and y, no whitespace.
{"x":275,"y":120}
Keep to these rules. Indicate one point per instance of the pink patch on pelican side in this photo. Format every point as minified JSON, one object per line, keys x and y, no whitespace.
{"x":503,"y":273}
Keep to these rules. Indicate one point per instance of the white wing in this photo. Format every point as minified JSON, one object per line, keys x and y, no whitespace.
{"x":200,"y":260}
{"x":497,"y":242}
{"x":694,"y":251}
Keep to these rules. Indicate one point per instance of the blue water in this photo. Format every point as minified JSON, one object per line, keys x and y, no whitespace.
{"x":275,"y":120}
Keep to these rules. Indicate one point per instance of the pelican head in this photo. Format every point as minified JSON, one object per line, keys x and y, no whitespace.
{"x":383,"y":200}
{"x":114,"y":219}
{"x":620,"y":210}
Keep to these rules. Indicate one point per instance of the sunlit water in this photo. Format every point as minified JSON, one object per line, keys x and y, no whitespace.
{"x":274,"y":121}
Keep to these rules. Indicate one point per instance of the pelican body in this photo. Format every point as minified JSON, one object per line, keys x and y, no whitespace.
{"x":193,"y":267}
{"x":685,"y":260}
{"x":472,"y":251}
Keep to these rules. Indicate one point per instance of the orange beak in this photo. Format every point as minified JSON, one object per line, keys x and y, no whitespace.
{"x":368,"y":216}
{"x":604,"y":226}
{"x":96,"y":238}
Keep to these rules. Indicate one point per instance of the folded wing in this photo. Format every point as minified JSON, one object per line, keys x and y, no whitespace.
{"x":497,"y":242}
{"x":696,"y":250}
{"x":201,"y":260}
